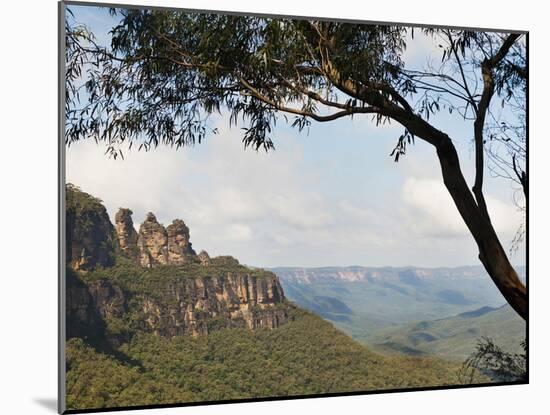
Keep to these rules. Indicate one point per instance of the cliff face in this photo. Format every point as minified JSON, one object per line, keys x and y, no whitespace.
{"x":190,"y":306}
{"x":162,"y":286}
{"x":89,"y":232}
{"x":83,"y":317}
{"x":199,"y":305}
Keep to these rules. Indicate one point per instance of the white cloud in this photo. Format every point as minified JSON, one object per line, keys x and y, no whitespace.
{"x":301,"y":210}
{"x":437,"y":215}
{"x":239,"y":232}
{"x":421,"y":49}
{"x":358,"y":213}
{"x":277,"y":208}
{"x":224,"y":194}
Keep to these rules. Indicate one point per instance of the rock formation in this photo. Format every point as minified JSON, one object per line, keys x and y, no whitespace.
{"x":227,"y":260}
{"x":126,"y":233}
{"x":83,"y":317}
{"x":89,"y":306}
{"x":199,"y":295}
{"x":162,"y":246}
{"x":152,"y":242}
{"x":204,"y":258}
{"x":198,"y":305}
{"x":191,"y":306}
{"x":89,"y":232}
{"x":178,"y":245}
{"x":109,"y":299}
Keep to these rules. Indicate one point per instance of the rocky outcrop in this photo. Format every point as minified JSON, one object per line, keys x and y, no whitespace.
{"x":82,"y":316}
{"x":89,"y":232}
{"x":196,"y":295}
{"x":109,"y":299}
{"x":178,"y":244}
{"x":164,"y":246}
{"x":126,"y":234}
{"x":199,"y":305}
{"x":90,"y":306}
{"x":152,"y":242}
{"x":226,"y":260}
{"x":194,"y":306}
{"x":204,"y":258}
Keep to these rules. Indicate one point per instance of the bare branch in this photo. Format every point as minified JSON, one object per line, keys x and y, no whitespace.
{"x":487,"y":67}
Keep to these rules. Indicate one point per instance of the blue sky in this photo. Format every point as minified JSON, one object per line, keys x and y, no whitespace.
{"x":332,"y":196}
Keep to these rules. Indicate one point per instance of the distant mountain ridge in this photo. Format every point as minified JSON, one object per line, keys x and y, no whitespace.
{"x":356,"y":273}
{"x":363,"y":301}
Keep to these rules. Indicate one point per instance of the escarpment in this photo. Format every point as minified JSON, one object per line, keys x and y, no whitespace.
{"x":152,"y":280}
{"x":89,"y":232}
{"x":199,"y":305}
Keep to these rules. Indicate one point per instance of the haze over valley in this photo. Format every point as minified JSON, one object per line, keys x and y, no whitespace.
{"x":417,"y":311}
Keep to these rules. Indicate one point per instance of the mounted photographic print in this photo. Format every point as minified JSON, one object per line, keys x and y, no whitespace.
{"x":260,"y":207}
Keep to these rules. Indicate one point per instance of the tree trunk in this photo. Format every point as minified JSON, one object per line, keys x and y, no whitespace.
{"x":491,"y":253}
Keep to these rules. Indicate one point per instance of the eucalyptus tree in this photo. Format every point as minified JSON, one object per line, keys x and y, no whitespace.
{"x":166,"y":71}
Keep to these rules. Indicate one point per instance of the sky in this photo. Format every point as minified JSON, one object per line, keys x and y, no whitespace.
{"x":331,"y":196}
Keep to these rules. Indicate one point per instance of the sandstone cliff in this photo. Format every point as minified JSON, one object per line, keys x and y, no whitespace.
{"x":198,"y":305}
{"x":187,"y":306}
{"x":159,"y":284}
{"x":82,"y":314}
{"x":89,"y":232}
{"x":178,"y":244}
{"x":126,"y":234}
{"x":152,"y":242}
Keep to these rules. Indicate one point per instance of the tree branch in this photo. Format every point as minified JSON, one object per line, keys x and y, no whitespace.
{"x":463,"y":76}
{"x":522,"y":176}
{"x":487,"y":67}
{"x":320,"y":118}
